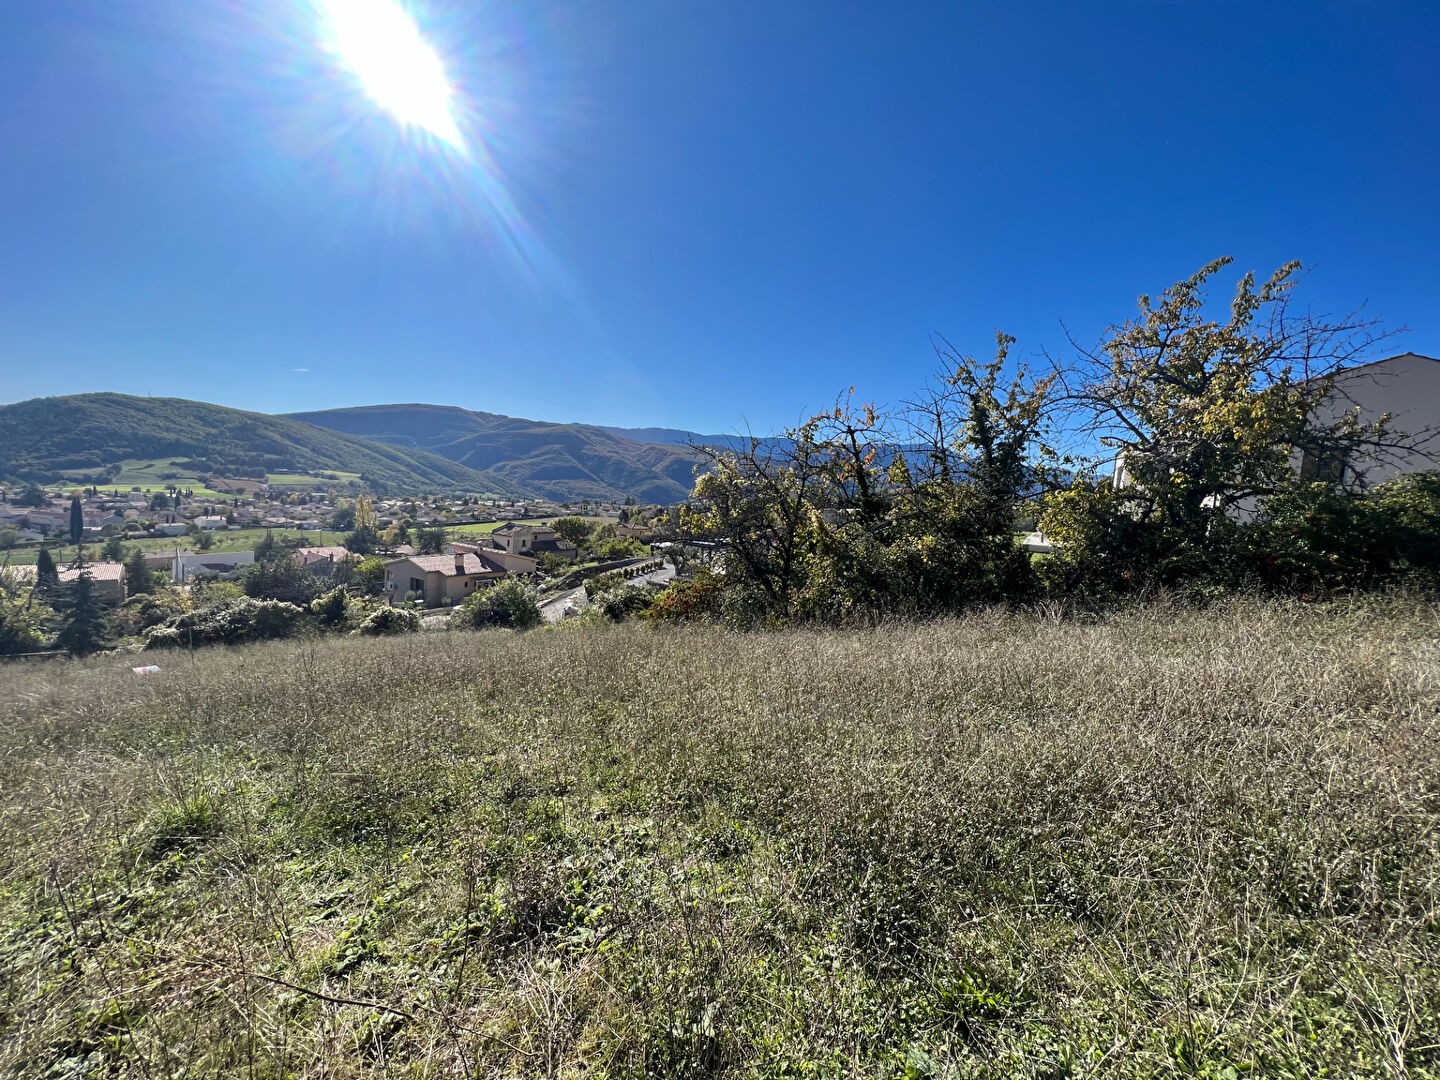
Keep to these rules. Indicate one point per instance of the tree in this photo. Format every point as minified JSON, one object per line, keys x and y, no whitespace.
{"x":1202,"y":415}
{"x":8,"y":538}
{"x":77,"y":520}
{"x":363,"y":541}
{"x":575,"y":529}
{"x":267,"y":549}
{"x":22,"y":625}
{"x":204,"y":540}
{"x":47,"y":577}
{"x":32,"y":495}
{"x":280,"y":579}
{"x":430,"y":541}
{"x":84,"y":626}
{"x":114,"y":549}
{"x":369,"y":576}
{"x":139,"y":578}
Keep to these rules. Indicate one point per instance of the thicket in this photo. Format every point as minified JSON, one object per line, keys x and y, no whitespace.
{"x":859,"y":513}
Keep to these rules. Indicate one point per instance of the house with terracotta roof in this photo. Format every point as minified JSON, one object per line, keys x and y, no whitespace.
{"x":109,"y":579}
{"x":441,"y":580}
{"x":322,"y":561}
{"x":532,"y":540}
{"x":516,"y":564}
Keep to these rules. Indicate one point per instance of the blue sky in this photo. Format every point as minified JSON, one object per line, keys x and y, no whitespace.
{"x":695,"y":215}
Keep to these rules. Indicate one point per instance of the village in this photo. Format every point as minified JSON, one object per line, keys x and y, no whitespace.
{"x":427,"y":552}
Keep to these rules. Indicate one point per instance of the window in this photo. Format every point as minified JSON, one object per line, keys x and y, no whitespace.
{"x":1327,"y":468}
{"x":417,"y":585}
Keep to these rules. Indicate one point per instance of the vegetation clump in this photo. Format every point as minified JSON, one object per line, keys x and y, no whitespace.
{"x":230,"y":622}
{"x":389,"y":620}
{"x":508,"y":605}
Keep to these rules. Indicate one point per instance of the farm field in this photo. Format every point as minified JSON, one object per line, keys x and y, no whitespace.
{"x":155,"y":474}
{"x":223,"y":540}
{"x":1160,"y":843}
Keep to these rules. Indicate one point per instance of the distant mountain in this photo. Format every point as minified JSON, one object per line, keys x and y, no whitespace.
{"x":45,"y":439}
{"x":668,"y":436}
{"x":558,"y":461}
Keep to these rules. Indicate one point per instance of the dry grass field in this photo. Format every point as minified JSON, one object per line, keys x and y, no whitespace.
{"x":1164,"y":843}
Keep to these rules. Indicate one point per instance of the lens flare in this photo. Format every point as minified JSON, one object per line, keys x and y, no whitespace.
{"x":380,"y":42}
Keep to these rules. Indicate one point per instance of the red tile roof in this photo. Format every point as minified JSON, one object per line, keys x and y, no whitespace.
{"x":445,"y":564}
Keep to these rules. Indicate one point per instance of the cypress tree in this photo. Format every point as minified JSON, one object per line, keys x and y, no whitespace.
{"x":77,"y":520}
{"x":139,"y":578}
{"x":85,"y":629}
{"x":46,"y":575}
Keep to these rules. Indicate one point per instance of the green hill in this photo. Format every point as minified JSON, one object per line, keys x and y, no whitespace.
{"x":96,"y":435}
{"x":558,"y":461}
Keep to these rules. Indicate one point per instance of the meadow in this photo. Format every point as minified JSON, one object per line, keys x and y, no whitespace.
{"x":220,"y":540}
{"x":1161,"y":843}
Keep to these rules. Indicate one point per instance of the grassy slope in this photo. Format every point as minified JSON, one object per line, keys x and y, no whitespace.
{"x":1161,"y":845}
{"x":66,"y":435}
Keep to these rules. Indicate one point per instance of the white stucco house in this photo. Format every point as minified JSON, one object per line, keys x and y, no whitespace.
{"x":1408,"y":388}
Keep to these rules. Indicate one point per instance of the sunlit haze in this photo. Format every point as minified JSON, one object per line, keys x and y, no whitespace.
{"x":708,"y":216}
{"x":379,"y":41}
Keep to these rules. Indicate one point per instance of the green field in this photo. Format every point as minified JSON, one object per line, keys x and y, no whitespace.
{"x":224,"y":540}
{"x":156,"y":474}
{"x":300,"y":480}
{"x":1166,"y":843}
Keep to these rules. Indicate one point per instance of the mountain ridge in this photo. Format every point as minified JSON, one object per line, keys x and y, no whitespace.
{"x":50,"y":438}
{"x":555,"y":460}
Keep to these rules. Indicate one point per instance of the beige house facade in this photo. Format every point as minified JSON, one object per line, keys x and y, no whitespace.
{"x":1407,"y":387}
{"x":441,"y":580}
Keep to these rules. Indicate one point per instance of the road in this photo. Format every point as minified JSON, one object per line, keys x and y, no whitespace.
{"x":553,"y":610}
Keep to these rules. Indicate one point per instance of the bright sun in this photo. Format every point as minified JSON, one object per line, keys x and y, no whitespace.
{"x":380,"y":42}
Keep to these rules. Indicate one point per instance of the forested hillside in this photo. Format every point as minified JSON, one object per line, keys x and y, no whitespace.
{"x":558,"y":461}
{"x":47,"y":439}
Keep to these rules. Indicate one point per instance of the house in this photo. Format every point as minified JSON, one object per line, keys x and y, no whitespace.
{"x":1407,"y":387}
{"x":323,"y":560}
{"x":210,"y":521}
{"x":633,"y":532}
{"x":532,"y":540}
{"x":171,"y":528}
{"x":515,"y":564}
{"x":207,"y":564}
{"x":441,"y":580}
{"x":109,"y":579}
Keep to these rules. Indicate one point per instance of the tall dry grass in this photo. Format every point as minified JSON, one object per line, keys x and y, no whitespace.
{"x":1166,"y":843}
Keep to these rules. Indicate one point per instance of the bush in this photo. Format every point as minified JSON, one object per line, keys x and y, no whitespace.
{"x":230,"y":623}
{"x":332,"y":609}
{"x":619,"y":603}
{"x":390,"y":620}
{"x":684,"y":600}
{"x":509,"y":604}
{"x":1313,"y":539}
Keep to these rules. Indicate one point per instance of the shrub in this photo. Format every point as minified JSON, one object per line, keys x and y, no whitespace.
{"x":1312,"y":538}
{"x":390,"y":620}
{"x":508,"y":604}
{"x":682,"y":600}
{"x":230,"y":623}
{"x":331,"y":609}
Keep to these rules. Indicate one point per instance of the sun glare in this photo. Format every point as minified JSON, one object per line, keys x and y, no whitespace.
{"x":380,"y":42}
